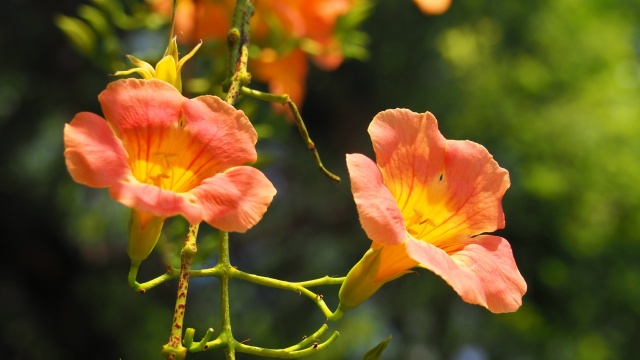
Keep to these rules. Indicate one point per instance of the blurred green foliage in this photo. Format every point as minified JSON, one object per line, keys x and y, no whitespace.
{"x":550,"y":87}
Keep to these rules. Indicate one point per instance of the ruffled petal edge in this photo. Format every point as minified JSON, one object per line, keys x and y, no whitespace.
{"x":481,"y":270}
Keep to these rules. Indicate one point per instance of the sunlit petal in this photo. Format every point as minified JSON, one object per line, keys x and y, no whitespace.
{"x":224,"y":134}
{"x":480,"y":269}
{"x":154,"y":200}
{"x":94,"y":155}
{"x":134,"y":105}
{"x":236,"y":199}
{"x":410,"y":153}
{"x":379,"y":214}
{"x":471,"y":202}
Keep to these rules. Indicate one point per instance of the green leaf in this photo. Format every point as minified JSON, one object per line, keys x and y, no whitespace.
{"x":96,"y":18}
{"x":80,"y":34}
{"x":376,"y":352}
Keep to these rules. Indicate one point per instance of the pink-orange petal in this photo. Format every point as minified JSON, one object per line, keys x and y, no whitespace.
{"x":93,"y":154}
{"x":480,"y":269}
{"x":224,"y":133}
{"x":409,"y":151}
{"x":474,"y":187}
{"x":154,"y":200}
{"x":236,"y":199}
{"x":133,"y":104}
{"x":379,"y":214}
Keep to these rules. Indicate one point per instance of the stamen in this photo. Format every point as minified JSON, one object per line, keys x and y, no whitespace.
{"x":428,"y":221}
{"x":416,"y":218}
{"x":157,"y":180}
{"x":414,"y":223}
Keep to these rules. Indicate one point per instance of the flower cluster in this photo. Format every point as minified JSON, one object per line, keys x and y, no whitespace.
{"x":426,"y":202}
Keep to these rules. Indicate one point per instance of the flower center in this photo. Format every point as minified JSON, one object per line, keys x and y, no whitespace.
{"x":416,"y":223}
{"x":161,"y":171}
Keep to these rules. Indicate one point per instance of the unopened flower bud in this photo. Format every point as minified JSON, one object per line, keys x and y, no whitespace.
{"x":167,"y":69}
{"x":144,"y":231}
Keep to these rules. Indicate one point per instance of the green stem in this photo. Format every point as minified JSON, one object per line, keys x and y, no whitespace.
{"x":292,"y":352}
{"x":174,"y":350}
{"x":307,"y":346}
{"x":171,"y":273}
{"x":327,"y":280}
{"x":215,"y":271}
{"x":265,"y":281}
{"x":238,"y":43}
{"x":223,"y":261}
{"x":302,"y":128}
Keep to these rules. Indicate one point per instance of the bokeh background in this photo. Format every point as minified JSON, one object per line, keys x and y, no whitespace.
{"x":550,"y":87}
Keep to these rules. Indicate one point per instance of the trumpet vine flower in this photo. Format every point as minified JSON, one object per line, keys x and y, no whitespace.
{"x":430,"y":202}
{"x":162,"y":154}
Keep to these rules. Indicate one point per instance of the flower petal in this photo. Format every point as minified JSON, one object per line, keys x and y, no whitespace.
{"x":454,"y":187}
{"x":236,"y":199}
{"x":378,"y":211}
{"x":474,"y":185}
{"x":480,"y":269}
{"x":183,"y":140}
{"x":410,"y":153}
{"x":93,"y":154}
{"x":137,"y":105}
{"x":223,"y":136}
{"x":154,"y":200}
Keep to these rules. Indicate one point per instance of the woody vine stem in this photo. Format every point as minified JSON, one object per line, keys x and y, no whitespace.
{"x":178,"y":346}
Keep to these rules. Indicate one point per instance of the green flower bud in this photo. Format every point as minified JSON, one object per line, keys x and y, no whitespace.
{"x":144,"y":231}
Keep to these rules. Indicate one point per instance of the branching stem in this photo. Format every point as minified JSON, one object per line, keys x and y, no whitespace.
{"x":284,"y":99}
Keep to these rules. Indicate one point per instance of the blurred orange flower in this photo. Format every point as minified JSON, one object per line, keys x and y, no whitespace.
{"x":312,"y":22}
{"x":198,"y":19}
{"x":433,"y":7}
{"x":287,"y":31}
{"x":284,"y":75}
